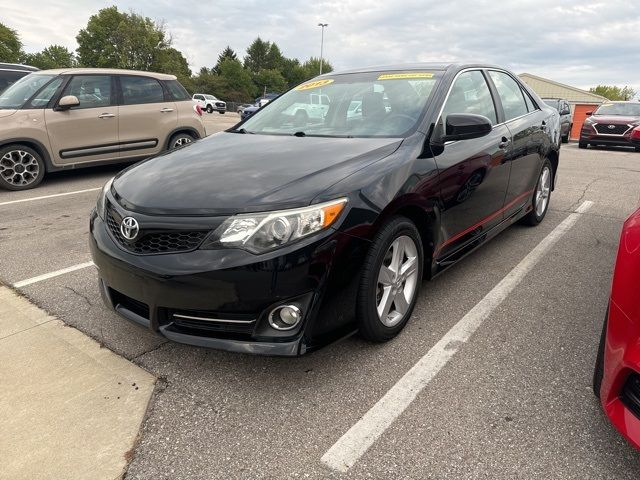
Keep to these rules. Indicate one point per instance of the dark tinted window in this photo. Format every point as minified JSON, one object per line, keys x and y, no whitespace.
{"x":8,"y":78}
{"x":470,"y":94}
{"x":177,"y":90}
{"x":92,"y":90}
{"x":511,"y":95}
{"x":137,"y":90}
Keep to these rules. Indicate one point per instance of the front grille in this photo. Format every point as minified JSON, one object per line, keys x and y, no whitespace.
{"x":604,"y":129}
{"x":211,"y":322}
{"x":631,"y":394}
{"x":153,"y":242}
{"x":219,"y":104}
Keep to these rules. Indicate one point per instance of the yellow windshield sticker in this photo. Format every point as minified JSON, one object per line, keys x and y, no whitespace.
{"x":316,"y":84}
{"x":404,"y":76}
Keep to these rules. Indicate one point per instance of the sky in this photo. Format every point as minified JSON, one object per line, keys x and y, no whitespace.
{"x":580,"y":42}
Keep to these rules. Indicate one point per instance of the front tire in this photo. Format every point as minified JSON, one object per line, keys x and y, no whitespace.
{"x":390,"y":280}
{"x":582,"y":144}
{"x":180,"y":140}
{"x":565,"y":139}
{"x":209,"y":109}
{"x":541,"y":196}
{"x":221,"y":113}
{"x":21,"y":167}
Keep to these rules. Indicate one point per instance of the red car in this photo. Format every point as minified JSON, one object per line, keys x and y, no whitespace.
{"x":611,"y":124}
{"x":616,"y":381}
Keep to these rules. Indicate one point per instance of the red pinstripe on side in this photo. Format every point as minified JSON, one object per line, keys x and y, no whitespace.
{"x":484,"y":220}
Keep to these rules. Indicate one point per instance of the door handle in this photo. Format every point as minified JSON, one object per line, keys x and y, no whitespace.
{"x":504,"y":144}
{"x":544,"y":124}
{"x":106,"y":115}
{"x":166,"y":110}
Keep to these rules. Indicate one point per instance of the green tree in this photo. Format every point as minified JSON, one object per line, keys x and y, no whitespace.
{"x":614,"y":93}
{"x":170,"y":60}
{"x":270,"y":80}
{"x":236,"y":82}
{"x":312,"y":67}
{"x":121,"y":40}
{"x":257,"y":53}
{"x":10,"y":45}
{"x":54,"y":56}
{"x":293,"y":72}
{"x":274,"y":58}
{"x":226,"y":53}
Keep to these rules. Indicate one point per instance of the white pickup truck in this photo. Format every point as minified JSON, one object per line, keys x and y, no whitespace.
{"x":209,"y":103}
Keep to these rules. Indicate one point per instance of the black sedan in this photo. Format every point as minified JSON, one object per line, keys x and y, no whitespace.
{"x":292,"y":230}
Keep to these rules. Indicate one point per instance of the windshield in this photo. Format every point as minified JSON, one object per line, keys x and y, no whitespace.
{"x":210,"y":97}
{"x":17,"y":94}
{"x":376,"y":104}
{"x":622,"y":109}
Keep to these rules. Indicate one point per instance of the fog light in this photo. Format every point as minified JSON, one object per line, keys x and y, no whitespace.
{"x":285,"y":317}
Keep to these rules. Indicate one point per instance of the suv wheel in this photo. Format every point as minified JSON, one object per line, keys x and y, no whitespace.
{"x":222,"y":112}
{"x":390,"y":281}
{"x":541,"y":196}
{"x":209,"y":109}
{"x":582,"y":144}
{"x":180,"y":140}
{"x":21,"y":167}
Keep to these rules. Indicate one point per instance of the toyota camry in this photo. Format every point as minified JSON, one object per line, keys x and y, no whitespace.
{"x":292,"y":230}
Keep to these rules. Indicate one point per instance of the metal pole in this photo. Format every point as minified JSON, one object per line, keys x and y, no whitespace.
{"x":322,"y":25}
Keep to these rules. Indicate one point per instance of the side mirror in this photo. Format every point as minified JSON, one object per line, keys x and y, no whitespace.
{"x":588,"y":114}
{"x":464,"y":126}
{"x":67,"y":102}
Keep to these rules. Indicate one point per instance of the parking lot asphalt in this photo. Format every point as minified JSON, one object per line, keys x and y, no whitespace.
{"x":515,"y":401}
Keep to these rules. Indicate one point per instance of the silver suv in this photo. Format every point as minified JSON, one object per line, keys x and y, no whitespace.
{"x":69,"y":118}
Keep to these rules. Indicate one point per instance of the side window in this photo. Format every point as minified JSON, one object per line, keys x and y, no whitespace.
{"x":93,"y":91}
{"x":528,"y":101}
{"x":470,"y":94}
{"x":177,"y":91}
{"x":137,"y":90}
{"x":45,"y":95}
{"x":510,"y":94}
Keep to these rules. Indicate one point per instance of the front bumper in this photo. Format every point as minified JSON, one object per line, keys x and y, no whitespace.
{"x":622,"y":360}
{"x":589,"y":135}
{"x":221,"y":298}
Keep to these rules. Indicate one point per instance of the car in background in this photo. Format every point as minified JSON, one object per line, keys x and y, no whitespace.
{"x":70,"y":118}
{"x":248,"y":111}
{"x":241,"y":107}
{"x":564,"y":109}
{"x":285,"y":237}
{"x":209,"y":103}
{"x":11,"y":72}
{"x":616,"y":380}
{"x":611,"y":124}
{"x":259,"y":103}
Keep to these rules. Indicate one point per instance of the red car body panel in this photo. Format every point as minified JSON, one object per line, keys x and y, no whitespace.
{"x":622,"y":346}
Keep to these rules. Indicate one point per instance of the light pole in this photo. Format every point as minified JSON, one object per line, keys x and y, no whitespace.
{"x":322,"y":25}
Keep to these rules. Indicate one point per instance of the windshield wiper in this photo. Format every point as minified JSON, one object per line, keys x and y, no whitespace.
{"x":239,"y":130}
{"x":300,"y":134}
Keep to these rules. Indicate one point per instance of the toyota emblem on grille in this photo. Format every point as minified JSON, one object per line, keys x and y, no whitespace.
{"x":611,"y":127}
{"x":129,"y":228}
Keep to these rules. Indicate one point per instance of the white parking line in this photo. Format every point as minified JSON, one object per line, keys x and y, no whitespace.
{"x":46,"y":276}
{"x":357,"y":440}
{"x":49,"y":196}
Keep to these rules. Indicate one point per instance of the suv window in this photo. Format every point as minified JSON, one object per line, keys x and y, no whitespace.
{"x":137,"y":90}
{"x":177,"y":90}
{"x":45,"y":95}
{"x":198,"y":97}
{"x":470,"y":94}
{"x":92,"y":90}
{"x":528,"y":101}
{"x":509,"y":91}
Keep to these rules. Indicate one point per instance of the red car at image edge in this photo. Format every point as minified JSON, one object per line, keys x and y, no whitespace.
{"x":616,"y":380}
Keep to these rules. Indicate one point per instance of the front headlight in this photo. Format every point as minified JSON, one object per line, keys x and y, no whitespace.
{"x":261,"y":232}
{"x":101,"y":204}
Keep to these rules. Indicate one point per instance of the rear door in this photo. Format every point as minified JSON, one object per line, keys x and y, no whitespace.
{"x":88,"y":132}
{"x":473,"y":173}
{"x":526,"y":122}
{"x":147,"y":116}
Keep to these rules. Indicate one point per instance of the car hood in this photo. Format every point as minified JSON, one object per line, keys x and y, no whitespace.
{"x":6,"y":113}
{"x":614,"y":119}
{"x":232,"y":172}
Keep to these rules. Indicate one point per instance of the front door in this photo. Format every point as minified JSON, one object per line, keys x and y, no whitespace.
{"x":88,"y":132}
{"x":146,"y":118}
{"x":473,"y":174}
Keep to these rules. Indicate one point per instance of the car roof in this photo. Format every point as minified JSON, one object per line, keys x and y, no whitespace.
{"x":17,"y":67}
{"x":106,"y":71}
{"x":415,"y":66}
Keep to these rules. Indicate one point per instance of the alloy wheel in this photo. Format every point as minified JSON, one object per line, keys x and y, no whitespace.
{"x":181,"y":141}
{"x":19,"y":168}
{"x":397,"y":281}
{"x":542,"y":191}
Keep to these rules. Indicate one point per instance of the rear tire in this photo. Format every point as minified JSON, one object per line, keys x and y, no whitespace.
{"x":598,"y":372}
{"x":179,"y":140}
{"x":21,"y":167}
{"x":541,"y":196}
{"x":565,"y":139}
{"x":390,"y":280}
{"x":582,"y":144}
